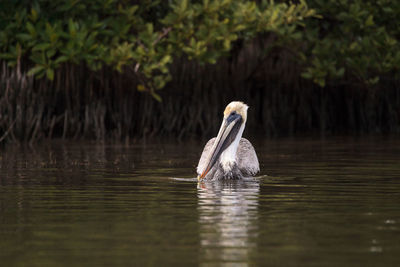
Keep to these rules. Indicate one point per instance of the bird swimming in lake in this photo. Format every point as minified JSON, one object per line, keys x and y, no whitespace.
{"x":229,"y":156}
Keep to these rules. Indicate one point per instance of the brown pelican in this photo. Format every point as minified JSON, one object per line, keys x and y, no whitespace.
{"x":228,"y":156}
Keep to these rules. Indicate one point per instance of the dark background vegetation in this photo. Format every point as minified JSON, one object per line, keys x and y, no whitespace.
{"x":127,"y":70}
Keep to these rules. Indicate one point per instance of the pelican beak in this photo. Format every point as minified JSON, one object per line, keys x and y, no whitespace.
{"x":226,"y":135}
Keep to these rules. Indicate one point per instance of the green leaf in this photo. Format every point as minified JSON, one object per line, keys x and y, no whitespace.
{"x":165,"y":60}
{"x":141,"y":88}
{"x":374,"y":80}
{"x":149,"y":27}
{"x":50,"y":53}
{"x":306,"y":75}
{"x":369,"y":21}
{"x":24,"y":36}
{"x":183,"y":6}
{"x":340,"y":72}
{"x":50,"y":74}
{"x":156,"y":96}
{"x":71,"y":27}
{"x":35,"y":70}
{"x":41,"y":47}
{"x":61,"y":59}
{"x":31,"y":29}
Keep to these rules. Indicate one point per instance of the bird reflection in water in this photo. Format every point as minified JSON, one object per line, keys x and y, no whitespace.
{"x":228,"y":215}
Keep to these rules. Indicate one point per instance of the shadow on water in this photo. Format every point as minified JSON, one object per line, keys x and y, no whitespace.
{"x":228,"y":214}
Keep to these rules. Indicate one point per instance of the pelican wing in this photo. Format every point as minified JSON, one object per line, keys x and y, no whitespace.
{"x":202,"y":162}
{"x":247,"y":158}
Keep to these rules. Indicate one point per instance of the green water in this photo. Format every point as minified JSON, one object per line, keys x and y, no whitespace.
{"x":331,"y":202}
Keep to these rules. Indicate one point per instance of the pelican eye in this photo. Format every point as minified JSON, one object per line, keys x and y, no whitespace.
{"x":232,"y":116}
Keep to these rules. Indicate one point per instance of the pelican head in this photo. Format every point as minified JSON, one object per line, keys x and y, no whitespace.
{"x":228,"y":138}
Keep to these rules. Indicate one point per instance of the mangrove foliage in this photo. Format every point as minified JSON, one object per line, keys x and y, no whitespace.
{"x":142,"y":37}
{"x":125,"y":69}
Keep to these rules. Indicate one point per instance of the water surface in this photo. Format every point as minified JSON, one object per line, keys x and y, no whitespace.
{"x":330,"y":202}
